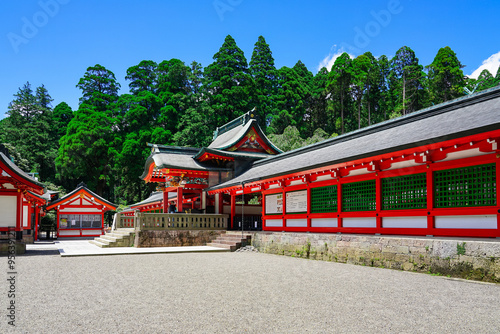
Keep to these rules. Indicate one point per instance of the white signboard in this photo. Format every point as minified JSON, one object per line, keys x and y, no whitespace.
{"x":274,"y":204}
{"x":296,"y":201}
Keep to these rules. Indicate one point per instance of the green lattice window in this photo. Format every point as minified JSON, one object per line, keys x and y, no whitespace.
{"x":324,"y":199}
{"x":465,"y":187}
{"x":404,"y":192}
{"x":359,"y":196}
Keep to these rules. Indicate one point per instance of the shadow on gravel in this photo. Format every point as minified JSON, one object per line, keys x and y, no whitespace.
{"x":39,"y":252}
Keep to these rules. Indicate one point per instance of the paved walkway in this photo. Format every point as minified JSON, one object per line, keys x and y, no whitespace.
{"x":82,"y":247}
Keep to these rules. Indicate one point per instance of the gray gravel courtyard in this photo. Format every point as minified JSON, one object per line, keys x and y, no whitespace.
{"x":239,"y":293}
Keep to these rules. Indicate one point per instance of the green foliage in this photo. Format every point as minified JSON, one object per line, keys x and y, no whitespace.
{"x":229,"y":83}
{"x":461,"y":248}
{"x":290,"y":139}
{"x":446,"y":79}
{"x":265,"y":76}
{"x":406,"y":83}
{"x":339,"y":86}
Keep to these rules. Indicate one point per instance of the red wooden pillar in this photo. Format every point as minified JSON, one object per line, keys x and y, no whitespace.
{"x":430,"y":200}
{"x":221,"y":203}
{"x":378,"y":201}
{"x":284,"y":205}
{"x":498,"y":194}
{"x":179,"y":199}
{"x":339,"y":203}
{"x":165,"y":202}
{"x":37,"y":214}
{"x":19,"y":219}
{"x":233,"y":209}
{"x":57,"y":230}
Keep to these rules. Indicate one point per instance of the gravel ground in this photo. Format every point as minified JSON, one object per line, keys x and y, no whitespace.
{"x":244,"y":292}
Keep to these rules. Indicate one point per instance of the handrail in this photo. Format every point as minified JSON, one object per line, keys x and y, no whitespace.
{"x":174,"y":221}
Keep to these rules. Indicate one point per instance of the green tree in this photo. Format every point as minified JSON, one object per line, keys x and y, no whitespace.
{"x":497,"y":77}
{"x":316,"y":115}
{"x":173,"y":86}
{"x":99,"y":87}
{"x":406,"y":82}
{"x":28,"y":129}
{"x":446,"y":78}
{"x":142,"y":77}
{"x":228,"y":83}
{"x":485,"y":80}
{"x":290,"y":102}
{"x":61,"y":115}
{"x":339,"y":86}
{"x":87,"y":152}
{"x":289,"y":140}
{"x":92,"y":141}
{"x":265,"y":76}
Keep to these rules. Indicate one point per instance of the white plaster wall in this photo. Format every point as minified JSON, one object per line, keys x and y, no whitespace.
{"x":296,"y":222}
{"x":360,"y":222}
{"x":274,"y":222}
{"x":8,"y":214}
{"x":324,"y":222}
{"x":404,"y":222}
{"x":479,"y":222}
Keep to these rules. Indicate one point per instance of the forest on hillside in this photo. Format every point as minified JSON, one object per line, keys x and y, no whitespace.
{"x":104,"y":142}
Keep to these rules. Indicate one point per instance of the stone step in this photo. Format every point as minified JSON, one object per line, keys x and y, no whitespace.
{"x":238,"y":233}
{"x":121,"y":232}
{"x":227,"y":242}
{"x":102,"y":241}
{"x":111,"y":237}
{"x":235,"y":236}
{"x":98,"y":244}
{"x":230,"y":247}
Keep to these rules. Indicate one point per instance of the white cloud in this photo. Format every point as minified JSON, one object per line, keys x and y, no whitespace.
{"x":329,"y":60}
{"x":491,"y":64}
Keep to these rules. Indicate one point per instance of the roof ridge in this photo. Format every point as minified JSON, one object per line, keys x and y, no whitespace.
{"x":240,"y":120}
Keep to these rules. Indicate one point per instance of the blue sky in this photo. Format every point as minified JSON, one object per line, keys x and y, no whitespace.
{"x":52,"y":42}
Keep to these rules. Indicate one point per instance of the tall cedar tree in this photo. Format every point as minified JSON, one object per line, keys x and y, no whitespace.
{"x":406,"y":82}
{"x":339,"y":86}
{"x":265,"y":76}
{"x":28,"y":130}
{"x":446,"y":78}
{"x":316,"y":115}
{"x":88,"y":150}
{"x":291,"y":98}
{"x":228,"y":83}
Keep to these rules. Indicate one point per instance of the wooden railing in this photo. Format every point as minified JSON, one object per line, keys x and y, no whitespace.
{"x":174,"y":221}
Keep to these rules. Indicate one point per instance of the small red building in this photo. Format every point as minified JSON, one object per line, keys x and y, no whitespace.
{"x":21,"y":199}
{"x":80,"y":213}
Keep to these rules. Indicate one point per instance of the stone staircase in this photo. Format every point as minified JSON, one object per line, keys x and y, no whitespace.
{"x":121,"y":237}
{"x":231,"y":240}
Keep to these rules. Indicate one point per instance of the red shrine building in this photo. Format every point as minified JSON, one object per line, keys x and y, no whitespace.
{"x":21,"y":201}
{"x":184,"y":174}
{"x":80,"y":213}
{"x":432,"y":172}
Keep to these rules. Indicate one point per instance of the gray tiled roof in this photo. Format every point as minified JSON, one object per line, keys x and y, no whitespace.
{"x":154,"y":197}
{"x":454,"y":119}
{"x":176,"y":158}
{"x":80,"y":187}
{"x":231,"y":137}
{"x":231,"y":133}
{"x":12,"y":166}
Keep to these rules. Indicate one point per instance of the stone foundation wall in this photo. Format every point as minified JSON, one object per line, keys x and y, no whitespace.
{"x":175,"y":238}
{"x":6,"y":247}
{"x":465,"y":258}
